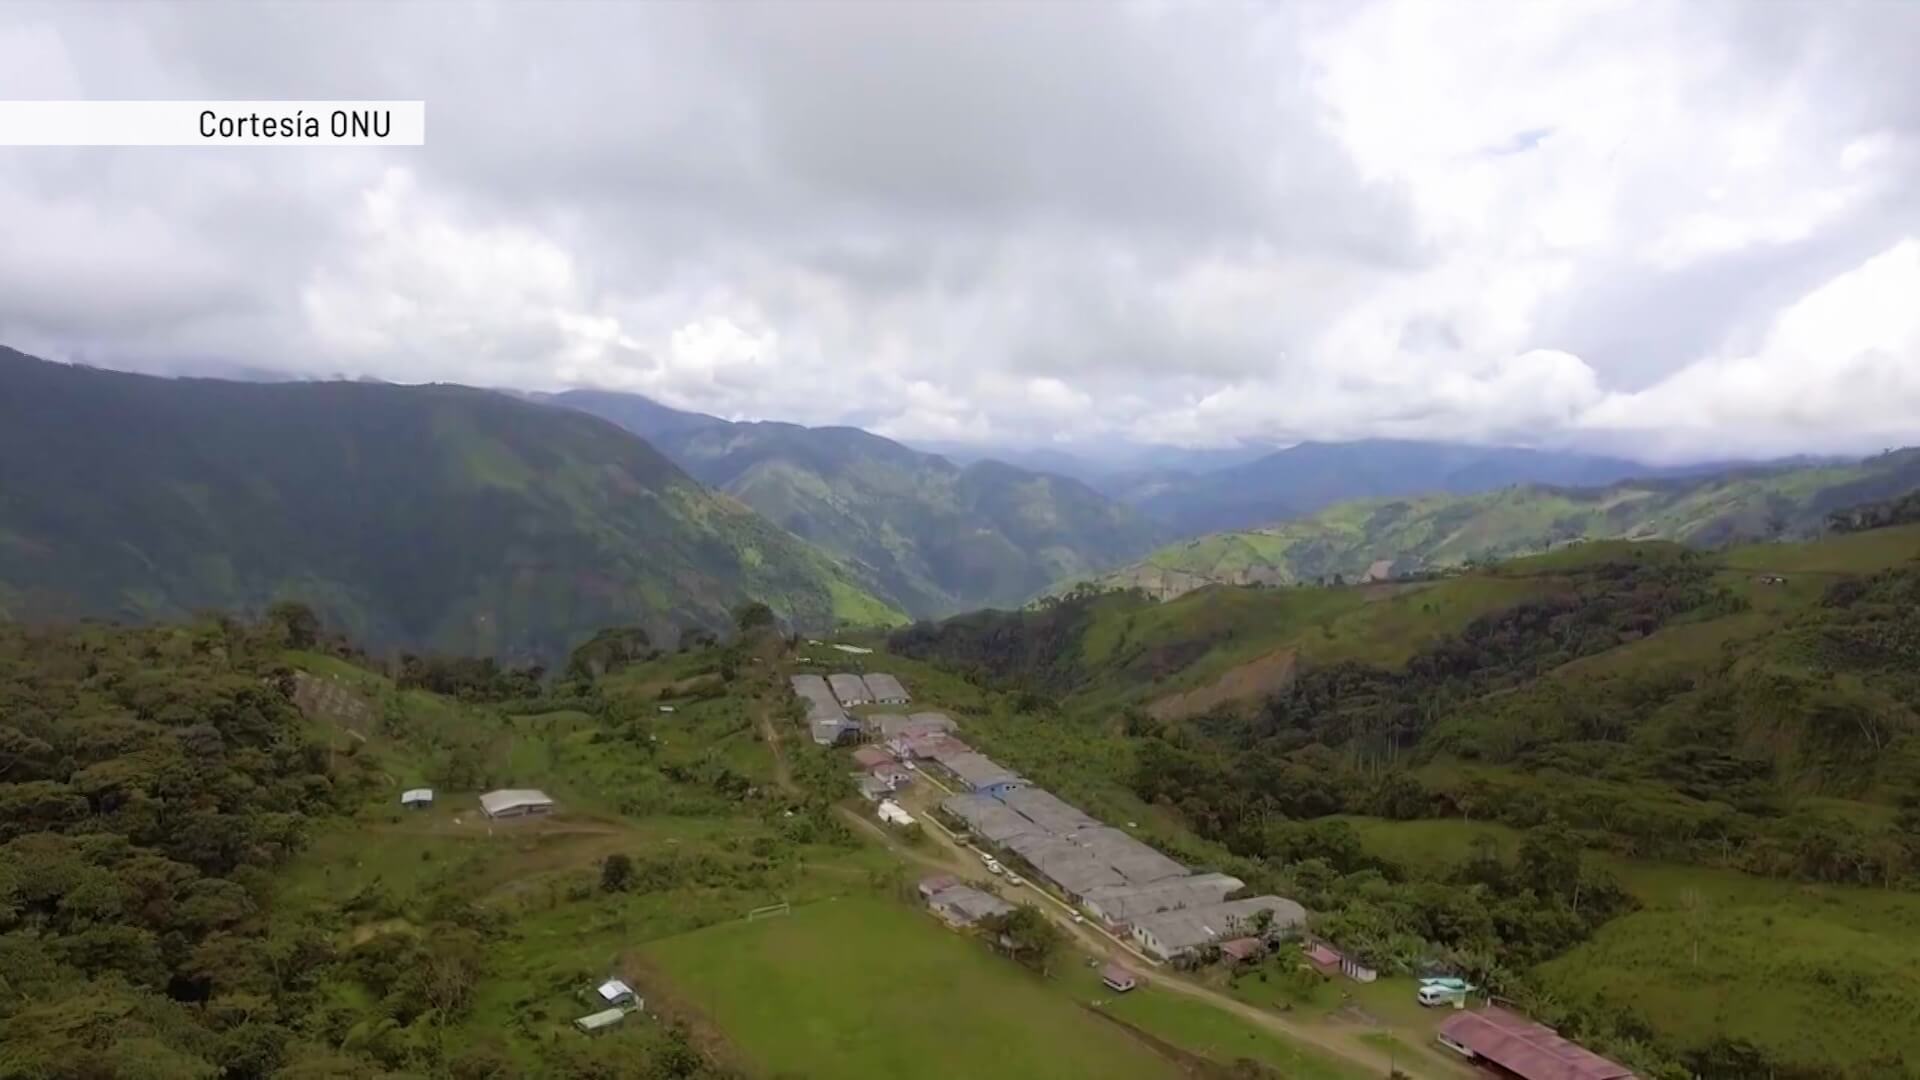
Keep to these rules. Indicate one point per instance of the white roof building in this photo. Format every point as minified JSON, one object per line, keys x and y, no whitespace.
{"x":892,"y":814}
{"x":601,"y":1020}
{"x":509,"y":802}
{"x":1168,"y":934}
{"x":615,"y":992}
{"x":419,"y":796}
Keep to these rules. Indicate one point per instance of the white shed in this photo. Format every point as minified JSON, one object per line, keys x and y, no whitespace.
{"x":419,"y":798}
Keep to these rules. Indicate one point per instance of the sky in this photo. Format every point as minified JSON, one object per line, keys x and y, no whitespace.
{"x":1673,"y":231}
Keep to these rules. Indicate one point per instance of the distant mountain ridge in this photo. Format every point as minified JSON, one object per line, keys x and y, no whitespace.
{"x":933,"y":536}
{"x":414,"y":516}
{"x":1380,"y":537}
{"x":1311,"y":476}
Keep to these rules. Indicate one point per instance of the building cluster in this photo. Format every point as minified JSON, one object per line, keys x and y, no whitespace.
{"x":828,"y":698}
{"x":1131,"y":887}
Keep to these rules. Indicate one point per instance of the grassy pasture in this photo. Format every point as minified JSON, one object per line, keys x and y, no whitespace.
{"x":862,"y":986}
{"x":1809,"y":973}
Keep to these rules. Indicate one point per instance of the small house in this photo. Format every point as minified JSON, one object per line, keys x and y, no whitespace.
{"x":600,"y":1021}
{"x":1118,"y":979}
{"x":417,"y":798}
{"x":869,"y":756}
{"x":873,"y":789}
{"x":615,"y":992}
{"x":892,"y":813}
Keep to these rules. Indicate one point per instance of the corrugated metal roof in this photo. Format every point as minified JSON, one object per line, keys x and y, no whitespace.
{"x":884,"y":687}
{"x":497,"y":802}
{"x":1534,"y":1051}
{"x":813,"y":690}
{"x":977,"y":770}
{"x":1186,"y":928}
{"x":851,"y":689}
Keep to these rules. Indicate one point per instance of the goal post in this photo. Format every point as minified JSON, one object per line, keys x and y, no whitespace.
{"x":770,"y":911}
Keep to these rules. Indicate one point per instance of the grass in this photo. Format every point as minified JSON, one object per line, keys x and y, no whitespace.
{"x":863,"y":986}
{"x":1827,"y":976}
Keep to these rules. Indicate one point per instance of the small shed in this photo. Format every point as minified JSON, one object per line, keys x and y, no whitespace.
{"x":891,"y":813}
{"x":417,"y":798}
{"x":600,"y":1021}
{"x":1118,"y":978}
{"x":869,"y":756}
{"x":515,"y":802}
{"x":615,"y":992}
{"x":1323,"y":957}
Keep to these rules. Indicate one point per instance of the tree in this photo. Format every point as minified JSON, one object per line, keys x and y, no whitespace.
{"x":616,"y":872}
{"x":1027,"y":936}
{"x":751,"y":616}
{"x":299,"y":627}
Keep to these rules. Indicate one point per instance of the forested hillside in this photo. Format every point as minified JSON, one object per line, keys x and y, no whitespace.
{"x":930,"y":536}
{"x":1658,"y":733}
{"x":1388,"y":537}
{"x":412,"y":516}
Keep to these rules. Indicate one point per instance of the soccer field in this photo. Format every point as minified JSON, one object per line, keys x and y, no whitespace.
{"x":865,"y":986}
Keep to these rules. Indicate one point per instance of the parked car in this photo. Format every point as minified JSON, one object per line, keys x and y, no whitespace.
{"x":1015,"y":879}
{"x":986,"y":856}
{"x":995,"y":869}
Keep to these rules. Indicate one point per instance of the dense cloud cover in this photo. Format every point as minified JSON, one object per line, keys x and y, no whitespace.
{"x":1675,"y":230}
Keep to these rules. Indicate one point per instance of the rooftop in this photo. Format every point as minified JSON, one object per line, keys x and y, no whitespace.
{"x":1532,"y":1050}
{"x":813,"y":690}
{"x":494,"y":802}
{"x":614,"y":990}
{"x":1118,"y":975}
{"x":978,"y":770}
{"x":869,"y":756}
{"x":987,"y":817}
{"x":884,"y":687}
{"x":1047,"y":810}
{"x":828,"y":730}
{"x":1135,"y":861}
{"x":849,"y":688}
{"x":1186,"y":928}
{"x":969,"y":903}
{"x":1127,"y":902}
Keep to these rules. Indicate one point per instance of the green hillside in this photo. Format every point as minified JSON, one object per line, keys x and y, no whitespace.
{"x":1385,"y":537}
{"x":1667,"y":799}
{"x":930,"y":536}
{"x":433,"y":516}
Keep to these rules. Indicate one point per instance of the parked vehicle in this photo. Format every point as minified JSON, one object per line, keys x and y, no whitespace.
{"x":1015,"y":879}
{"x":995,"y":869}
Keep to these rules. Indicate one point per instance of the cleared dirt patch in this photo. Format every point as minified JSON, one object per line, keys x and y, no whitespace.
{"x":1254,"y":679}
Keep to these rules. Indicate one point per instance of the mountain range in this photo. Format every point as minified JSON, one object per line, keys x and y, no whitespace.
{"x":932,"y":536}
{"x":1376,"y":538}
{"x":420,"y":516}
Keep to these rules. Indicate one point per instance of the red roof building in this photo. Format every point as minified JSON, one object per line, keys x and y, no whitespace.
{"x":1524,"y":1048}
{"x":1240,"y":950}
{"x":869,"y":756}
{"x":1323,"y":957}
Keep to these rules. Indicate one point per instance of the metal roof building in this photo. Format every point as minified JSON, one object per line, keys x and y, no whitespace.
{"x":813,"y":690}
{"x":964,"y":905}
{"x":978,"y":771}
{"x":1047,"y":810}
{"x":988,"y":818}
{"x":893,"y":725}
{"x":1524,"y":1048}
{"x":514,"y":802}
{"x":831,"y":729}
{"x":1167,"y":934}
{"x":1073,"y":869}
{"x":1124,"y":903}
{"x":929,"y":747}
{"x":1138,"y":863}
{"x":886,"y":689}
{"x":601,"y":1020}
{"x":850,"y":689}
{"x":868,"y":756}
{"x":419,"y":796}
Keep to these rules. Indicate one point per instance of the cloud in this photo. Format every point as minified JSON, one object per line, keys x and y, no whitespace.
{"x":1663,"y":228}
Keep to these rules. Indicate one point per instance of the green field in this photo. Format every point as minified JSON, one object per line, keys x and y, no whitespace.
{"x":1809,"y":973}
{"x":868,"y":987}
